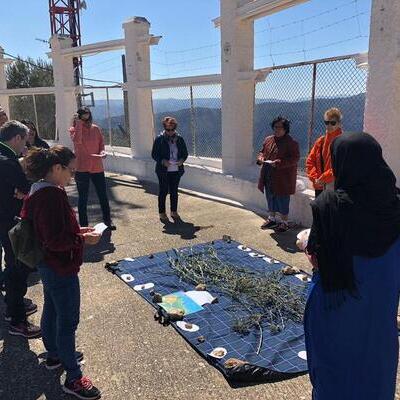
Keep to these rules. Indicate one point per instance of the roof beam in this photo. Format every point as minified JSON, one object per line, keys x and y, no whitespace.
{"x":254,"y":9}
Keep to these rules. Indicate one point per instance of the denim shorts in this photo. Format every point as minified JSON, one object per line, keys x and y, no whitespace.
{"x":277,"y":203}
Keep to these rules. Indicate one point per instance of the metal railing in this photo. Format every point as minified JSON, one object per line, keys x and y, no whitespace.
{"x":39,"y":108}
{"x":197,"y":109}
{"x":110,"y":112}
{"x":302,"y":92}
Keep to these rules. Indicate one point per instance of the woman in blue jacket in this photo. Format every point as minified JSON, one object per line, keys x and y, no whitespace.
{"x":169,"y":152}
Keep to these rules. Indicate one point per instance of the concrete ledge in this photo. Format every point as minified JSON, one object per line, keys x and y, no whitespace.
{"x":212,"y":181}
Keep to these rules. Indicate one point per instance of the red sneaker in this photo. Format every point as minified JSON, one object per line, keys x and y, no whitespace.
{"x":82,"y":388}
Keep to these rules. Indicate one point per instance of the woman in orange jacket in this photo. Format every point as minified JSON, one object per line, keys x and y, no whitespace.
{"x":318,"y":164}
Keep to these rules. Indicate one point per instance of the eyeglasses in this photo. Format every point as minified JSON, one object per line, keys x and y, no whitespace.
{"x":71,"y":170}
{"x":333,"y":123}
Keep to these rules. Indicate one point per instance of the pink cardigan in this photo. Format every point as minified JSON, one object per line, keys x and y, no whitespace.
{"x":88,"y":142}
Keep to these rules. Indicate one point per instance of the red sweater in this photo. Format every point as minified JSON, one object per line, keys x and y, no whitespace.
{"x":56,"y":228}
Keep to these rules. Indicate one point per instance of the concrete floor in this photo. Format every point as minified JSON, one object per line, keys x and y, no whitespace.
{"x":128,"y":355}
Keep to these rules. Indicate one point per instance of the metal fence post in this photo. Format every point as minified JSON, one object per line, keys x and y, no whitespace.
{"x":312,"y":108}
{"x":36,"y":115}
{"x":109,"y":117}
{"x":192,"y":121}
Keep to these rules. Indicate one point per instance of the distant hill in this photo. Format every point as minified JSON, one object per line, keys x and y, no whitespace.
{"x":207,"y":119}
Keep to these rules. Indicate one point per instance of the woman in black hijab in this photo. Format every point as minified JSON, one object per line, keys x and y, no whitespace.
{"x":351,"y":314}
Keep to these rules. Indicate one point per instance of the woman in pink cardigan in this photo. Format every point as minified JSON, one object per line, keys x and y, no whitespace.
{"x":89,"y":150}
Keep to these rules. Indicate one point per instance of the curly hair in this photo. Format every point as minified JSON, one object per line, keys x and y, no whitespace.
{"x":39,"y":162}
{"x":334,"y":113}
{"x":285,"y":123}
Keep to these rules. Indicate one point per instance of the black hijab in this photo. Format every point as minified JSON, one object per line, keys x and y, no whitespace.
{"x":360,"y":218}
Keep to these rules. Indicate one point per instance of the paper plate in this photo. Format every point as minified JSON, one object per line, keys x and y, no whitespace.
{"x":127,"y":278}
{"x":302,"y":355}
{"x":218,"y":352}
{"x":129,"y":259}
{"x":244,"y":248}
{"x":301,"y":276}
{"x":144,"y":286}
{"x":187,"y":326}
{"x":268,"y":260}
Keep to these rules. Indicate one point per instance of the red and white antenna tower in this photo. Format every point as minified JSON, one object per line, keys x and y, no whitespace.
{"x":65,"y":21}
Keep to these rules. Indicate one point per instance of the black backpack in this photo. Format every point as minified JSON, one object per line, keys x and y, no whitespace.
{"x":24,"y":244}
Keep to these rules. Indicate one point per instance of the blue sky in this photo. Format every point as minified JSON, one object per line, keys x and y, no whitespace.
{"x":190,"y":44}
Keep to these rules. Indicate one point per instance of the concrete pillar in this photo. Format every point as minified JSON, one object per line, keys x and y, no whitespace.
{"x":382,"y":112}
{"x":65,"y":91}
{"x":4,"y":103}
{"x":137,"y":56}
{"x":237,"y":58}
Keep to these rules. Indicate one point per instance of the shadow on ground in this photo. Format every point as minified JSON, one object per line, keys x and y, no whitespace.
{"x":186,"y":230}
{"x":27,"y":379}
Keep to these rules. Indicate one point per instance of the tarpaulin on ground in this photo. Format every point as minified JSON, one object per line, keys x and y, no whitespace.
{"x":281,"y":354}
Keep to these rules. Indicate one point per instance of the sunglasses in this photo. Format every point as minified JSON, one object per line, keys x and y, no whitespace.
{"x":333,"y":123}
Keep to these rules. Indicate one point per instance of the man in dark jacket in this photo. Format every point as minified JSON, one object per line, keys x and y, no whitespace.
{"x":13,"y":187}
{"x":169,"y":152}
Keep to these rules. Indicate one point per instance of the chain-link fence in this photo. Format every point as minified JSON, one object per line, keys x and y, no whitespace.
{"x":198,"y":112}
{"x":38,"y":108}
{"x":109,"y":110}
{"x":303,"y":92}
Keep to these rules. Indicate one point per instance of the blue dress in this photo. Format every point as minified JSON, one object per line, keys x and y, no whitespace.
{"x":352,"y":351}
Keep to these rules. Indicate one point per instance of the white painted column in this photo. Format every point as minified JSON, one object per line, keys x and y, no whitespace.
{"x":4,"y":102}
{"x":65,"y":91}
{"x":137,"y":56}
{"x":237,"y":60}
{"x":382,"y":112}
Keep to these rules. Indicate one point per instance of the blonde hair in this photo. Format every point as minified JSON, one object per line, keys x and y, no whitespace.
{"x":333,"y":113}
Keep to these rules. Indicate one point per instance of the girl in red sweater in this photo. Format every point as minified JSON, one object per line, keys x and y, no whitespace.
{"x":62,"y":240}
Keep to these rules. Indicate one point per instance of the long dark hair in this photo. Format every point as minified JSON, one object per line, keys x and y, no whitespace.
{"x":32,"y":127}
{"x":39,"y":162}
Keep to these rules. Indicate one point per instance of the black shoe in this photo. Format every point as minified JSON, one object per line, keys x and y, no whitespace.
{"x":111,"y":226}
{"x":30,"y":308}
{"x":268,"y":224}
{"x":82,"y":389}
{"x":26,"y":330}
{"x":54,"y":363}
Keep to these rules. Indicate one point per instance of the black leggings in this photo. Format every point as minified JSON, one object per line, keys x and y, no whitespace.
{"x":82,"y":180}
{"x":168,"y":183}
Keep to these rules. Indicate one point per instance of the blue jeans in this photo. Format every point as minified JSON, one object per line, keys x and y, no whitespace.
{"x":277,"y":203}
{"x":60,"y":318}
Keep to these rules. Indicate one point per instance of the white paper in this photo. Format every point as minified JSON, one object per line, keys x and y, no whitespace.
{"x":200,"y":297}
{"x":100,"y":228}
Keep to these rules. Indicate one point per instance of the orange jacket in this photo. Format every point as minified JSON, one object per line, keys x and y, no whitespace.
{"x":318,"y":163}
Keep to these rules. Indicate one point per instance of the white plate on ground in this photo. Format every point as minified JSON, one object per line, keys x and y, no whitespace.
{"x":127,"y":278}
{"x":129,"y":259}
{"x":187,"y":326}
{"x":244,"y":248}
{"x":218,"y":352}
{"x":302,"y":355}
{"x":301,"y":276}
{"x":144,"y":286}
{"x":268,"y":260}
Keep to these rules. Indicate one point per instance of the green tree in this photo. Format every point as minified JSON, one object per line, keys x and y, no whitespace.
{"x":30,"y":74}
